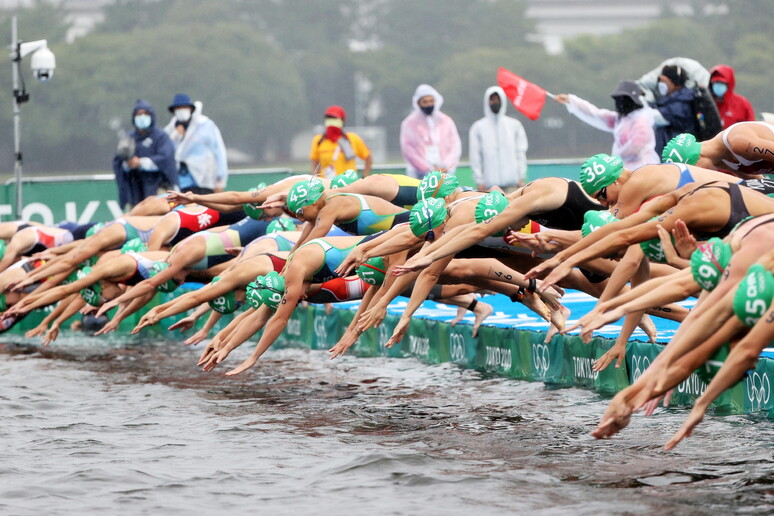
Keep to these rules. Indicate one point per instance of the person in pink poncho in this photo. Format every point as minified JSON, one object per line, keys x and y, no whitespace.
{"x":429,"y":139}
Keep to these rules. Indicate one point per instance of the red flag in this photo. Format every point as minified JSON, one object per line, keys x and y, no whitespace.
{"x":525,"y":96}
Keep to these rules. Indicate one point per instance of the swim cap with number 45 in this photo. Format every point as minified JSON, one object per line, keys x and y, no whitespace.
{"x":599,"y":171}
{"x":303,"y":194}
{"x":683,"y":148}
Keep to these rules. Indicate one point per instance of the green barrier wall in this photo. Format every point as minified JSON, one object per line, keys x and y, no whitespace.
{"x":85,"y":199}
{"x":519,"y":354}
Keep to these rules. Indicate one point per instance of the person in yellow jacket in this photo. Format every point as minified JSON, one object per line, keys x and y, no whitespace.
{"x":335,"y":151}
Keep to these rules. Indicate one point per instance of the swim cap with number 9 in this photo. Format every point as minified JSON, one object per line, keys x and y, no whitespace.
{"x":683,"y":148}
{"x":599,"y":171}
{"x":489,"y":206}
{"x":709,"y":261}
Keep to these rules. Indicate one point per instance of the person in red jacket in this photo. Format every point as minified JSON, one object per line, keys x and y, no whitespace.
{"x":733,"y":107}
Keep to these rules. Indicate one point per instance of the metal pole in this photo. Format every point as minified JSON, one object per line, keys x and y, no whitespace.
{"x":16,"y":62}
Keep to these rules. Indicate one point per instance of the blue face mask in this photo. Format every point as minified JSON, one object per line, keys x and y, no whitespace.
{"x":142,"y":121}
{"x":663,"y":89}
{"x":719,"y":89}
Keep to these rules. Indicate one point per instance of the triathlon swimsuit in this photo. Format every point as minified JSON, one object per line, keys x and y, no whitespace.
{"x":131,"y":231}
{"x":764,"y":186}
{"x":44,"y":240}
{"x":216,"y":243}
{"x":368,"y":222}
{"x":333,"y":258}
{"x":740,"y":161}
{"x":569,"y":215}
{"x":407,"y":190}
{"x":339,"y":290}
{"x":141,"y":269}
{"x":190,"y":223}
{"x":435,"y":292}
{"x":685,"y":175}
{"x":738,"y":210}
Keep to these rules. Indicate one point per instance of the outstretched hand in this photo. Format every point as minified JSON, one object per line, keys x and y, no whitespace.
{"x":413,"y":264}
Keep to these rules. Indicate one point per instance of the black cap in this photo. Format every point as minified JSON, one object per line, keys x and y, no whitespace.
{"x":629,"y":89}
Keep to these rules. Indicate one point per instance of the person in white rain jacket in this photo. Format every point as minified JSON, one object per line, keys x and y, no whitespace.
{"x":497,"y":146}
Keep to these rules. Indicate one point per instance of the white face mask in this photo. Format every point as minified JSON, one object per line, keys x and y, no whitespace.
{"x":663,"y":88}
{"x":183,"y":114}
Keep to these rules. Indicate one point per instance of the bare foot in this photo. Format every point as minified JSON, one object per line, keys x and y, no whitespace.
{"x":461,"y":311}
{"x":481,"y":311}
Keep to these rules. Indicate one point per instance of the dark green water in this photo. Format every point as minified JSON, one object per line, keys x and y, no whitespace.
{"x":139,"y":430}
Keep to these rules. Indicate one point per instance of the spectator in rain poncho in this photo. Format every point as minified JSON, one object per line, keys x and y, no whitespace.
{"x":732,"y":106}
{"x":428,"y":138}
{"x":498,"y":146}
{"x":631,"y":123}
{"x":200,"y":152}
{"x":152,"y":162}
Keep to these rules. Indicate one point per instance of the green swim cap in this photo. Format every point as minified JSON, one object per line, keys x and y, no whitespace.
{"x":225,"y":304}
{"x":437,"y":184}
{"x":653,"y":249}
{"x":303,"y":194}
{"x":93,"y":293}
{"x":427,"y":215}
{"x":595,"y":219}
{"x":253,"y":295}
{"x":683,"y":148}
{"x":280,"y":224}
{"x":272,"y":289}
{"x":134,"y":245}
{"x":167,"y":286}
{"x":252,"y":209}
{"x":753,"y":297}
{"x":342,"y":180}
{"x":2,"y":248}
{"x":3,"y":302}
{"x":489,"y":206}
{"x":372,"y":271}
{"x":707,"y":371}
{"x":93,"y":230}
{"x":599,"y":171}
{"x":709,"y":261}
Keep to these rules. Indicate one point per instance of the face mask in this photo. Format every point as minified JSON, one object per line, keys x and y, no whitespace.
{"x":719,"y":89}
{"x":183,"y":114}
{"x":624,"y":105}
{"x":495,"y":107}
{"x":142,"y":121}
{"x":333,"y":133}
{"x":662,"y":89}
{"x":428,"y":110}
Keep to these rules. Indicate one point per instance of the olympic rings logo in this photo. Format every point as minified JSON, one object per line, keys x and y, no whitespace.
{"x":639,"y":365}
{"x":758,"y":390}
{"x":319,"y":329}
{"x":456,"y":347}
{"x":541,"y":358}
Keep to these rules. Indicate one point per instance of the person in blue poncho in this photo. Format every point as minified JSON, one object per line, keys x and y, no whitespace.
{"x":200,"y":152}
{"x":144,"y":166}
{"x":674,"y":109}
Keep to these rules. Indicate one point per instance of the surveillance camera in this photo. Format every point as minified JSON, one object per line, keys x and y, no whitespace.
{"x":43,"y":64}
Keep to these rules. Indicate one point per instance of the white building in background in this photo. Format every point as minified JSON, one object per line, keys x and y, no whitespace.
{"x":558,"y":20}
